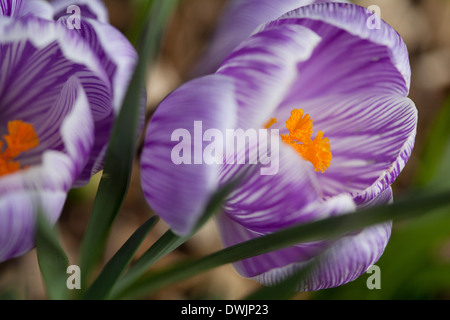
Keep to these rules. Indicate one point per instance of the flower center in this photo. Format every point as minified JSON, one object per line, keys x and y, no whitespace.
{"x":300,"y":127}
{"x":21,"y":137}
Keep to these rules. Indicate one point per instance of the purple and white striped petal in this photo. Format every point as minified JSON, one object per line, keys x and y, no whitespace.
{"x":10,"y":8}
{"x":267,"y":202}
{"x":45,"y":185}
{"x":371,"y":138}
{"x":179,"y":190}
{"x":343,"y":262}
{"x":351,"y":56}
{"x":94,"y":9}
{"x":18,"y":213}
{"x":340,"y":262}
{"x":36,"y":8}
{"x":58,"y":168}
{"x":116,"y":54}
{"x":239,"y":20}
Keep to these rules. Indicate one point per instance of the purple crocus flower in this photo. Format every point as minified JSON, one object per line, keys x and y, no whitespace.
{"x":61,"y":86}
{"x":336,"y":90}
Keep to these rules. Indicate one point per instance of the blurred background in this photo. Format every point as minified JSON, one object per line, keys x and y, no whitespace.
{"x":416,"y":262}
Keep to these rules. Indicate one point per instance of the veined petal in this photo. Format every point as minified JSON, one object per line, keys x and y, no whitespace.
{"x":114,"y":51}
{"x":18,"y":213}
{"x":351,"y":57}
{"x":57,"y":170}
{"x":94,"y":9}
{"x":264,"y":67}
{"x":45,"y":185}
{"x":176,"y":179}
{"x":239,"y":20}
{"x":39,"y":57}
{"x":371,"y":138}
{"x":270,"y":202}
{"x":37,"y":8}
{"x":343,"y":262}
{"x":233,"y":232}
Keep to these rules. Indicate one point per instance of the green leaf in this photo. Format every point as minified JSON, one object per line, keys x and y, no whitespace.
{"x":112,"y":271}
{"x":330,"y":228}
{"x":434,"y":157}
{"x":122,"y":147}
{"x":52,"y":259}
{"x":170,"y":241}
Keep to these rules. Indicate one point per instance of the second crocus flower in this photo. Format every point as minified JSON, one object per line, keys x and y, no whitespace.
{"x":60,"y":89}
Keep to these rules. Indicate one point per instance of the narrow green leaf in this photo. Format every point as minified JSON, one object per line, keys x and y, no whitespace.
{"x":433,"y":157}
{"x":52,"y":259}
{"x":112,"y":271}
{"x":418,"y":204}
{"x":122,"y":147}
{"x":170,"y":241}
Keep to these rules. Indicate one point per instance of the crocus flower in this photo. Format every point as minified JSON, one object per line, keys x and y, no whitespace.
{"x":60,"y":89}
{"x":239,"y":20}
{"x":337,"y":92}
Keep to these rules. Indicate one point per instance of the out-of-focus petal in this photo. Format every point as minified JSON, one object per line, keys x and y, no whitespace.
{"x":179,"y":192}
{"x":273,"y":201}
{"x":94,"y":9}
{"x":45,"y":185}
{"x":344,"y":261}
{"x":37,"y":8}
{"x":263,"y":68}
{"x":239,"y":20}
{"x":18,"y":213}
{"x":39,"y":58}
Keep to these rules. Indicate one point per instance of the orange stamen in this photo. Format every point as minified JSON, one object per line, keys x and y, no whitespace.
{"x":21,"y":137}
{"x":316,"y":151}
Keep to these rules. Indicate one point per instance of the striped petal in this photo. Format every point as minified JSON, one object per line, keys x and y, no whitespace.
{"x":18,"y":214}
{"x":114,"y":51}
{"x":37,"y":8}
{"x":341,"y":261}
{"x":267,"y":202}
{"x":371,"y":139}
{"x":39,"y":58}
{"x":176,"y":179}
{"x":56,"y":169}
{"x":263,"y":68}
{"x":239,"y":20}
{"x":94,"y":9}
{"x":351,"y":57}
{"x":45,"y":185}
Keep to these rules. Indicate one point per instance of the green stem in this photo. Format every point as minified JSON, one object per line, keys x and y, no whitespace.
{"x":324,"y":229}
